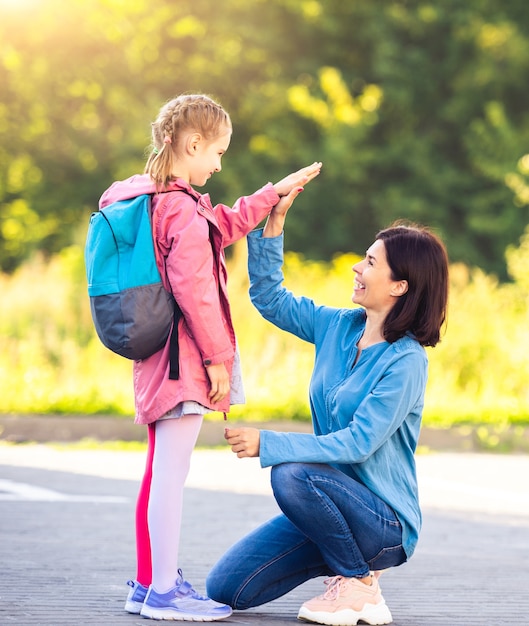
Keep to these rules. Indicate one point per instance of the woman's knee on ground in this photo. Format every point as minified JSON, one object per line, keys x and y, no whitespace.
{"x":218,"y":587}
{"x":221,"y":587}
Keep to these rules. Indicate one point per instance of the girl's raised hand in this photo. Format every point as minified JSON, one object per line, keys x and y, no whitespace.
{"x":297,"y":179}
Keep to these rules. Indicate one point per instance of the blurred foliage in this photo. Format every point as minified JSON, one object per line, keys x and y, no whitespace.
{"x":417,"y":109}
{"x":51,"y":361}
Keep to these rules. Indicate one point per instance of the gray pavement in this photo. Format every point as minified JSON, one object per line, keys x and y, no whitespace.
{"x":67,"y":537}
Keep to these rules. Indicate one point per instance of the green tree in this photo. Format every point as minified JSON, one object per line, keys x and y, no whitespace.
{"x":417,"y":110}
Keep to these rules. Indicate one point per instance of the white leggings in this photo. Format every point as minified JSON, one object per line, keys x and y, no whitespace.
{"x":175,"y":440}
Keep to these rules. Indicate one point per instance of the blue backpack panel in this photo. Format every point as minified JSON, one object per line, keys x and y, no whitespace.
{"x":132,"y":311}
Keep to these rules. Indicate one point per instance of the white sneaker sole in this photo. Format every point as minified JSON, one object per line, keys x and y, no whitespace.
{"x":179,"y":616}
{"x":131,"y":606}
{"x":372,"y":614}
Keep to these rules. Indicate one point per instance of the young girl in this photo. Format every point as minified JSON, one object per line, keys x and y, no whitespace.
{"x":190,"y":136}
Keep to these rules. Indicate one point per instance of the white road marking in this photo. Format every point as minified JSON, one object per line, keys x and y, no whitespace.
{"x":11,"y":490}
{"x":481,"y":483}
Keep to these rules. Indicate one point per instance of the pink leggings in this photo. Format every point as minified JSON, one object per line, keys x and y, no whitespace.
{"x":159,"y":504}
{"x":143,"y":542}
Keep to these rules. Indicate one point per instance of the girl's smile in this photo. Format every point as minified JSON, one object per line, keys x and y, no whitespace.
{"x":206,"y":158}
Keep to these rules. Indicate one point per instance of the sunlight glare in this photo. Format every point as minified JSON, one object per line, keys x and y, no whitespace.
{"x":18,"y":5}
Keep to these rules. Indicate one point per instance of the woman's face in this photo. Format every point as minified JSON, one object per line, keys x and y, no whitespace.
{"x":374,"y":289}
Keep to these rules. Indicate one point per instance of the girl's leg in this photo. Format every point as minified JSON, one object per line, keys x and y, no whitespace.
{"x":143,"y":544}
{"x":269,"y":562}
{"x":355,"y":530}
{"x":175,"y":440}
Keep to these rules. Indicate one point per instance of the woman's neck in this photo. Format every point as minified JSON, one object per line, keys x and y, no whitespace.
{"x":373,"y":333}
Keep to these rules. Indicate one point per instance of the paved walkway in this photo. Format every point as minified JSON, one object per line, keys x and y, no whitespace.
{"x":67,"y":537}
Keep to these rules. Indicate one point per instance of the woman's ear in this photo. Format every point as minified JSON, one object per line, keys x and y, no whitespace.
{"x":400,"y":287}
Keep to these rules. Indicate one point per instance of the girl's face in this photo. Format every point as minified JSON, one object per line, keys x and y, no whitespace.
{"x":207,"y":156}
{"x":374,"y":288}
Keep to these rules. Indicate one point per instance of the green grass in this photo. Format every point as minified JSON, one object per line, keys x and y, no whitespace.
{"x":52,"y":362}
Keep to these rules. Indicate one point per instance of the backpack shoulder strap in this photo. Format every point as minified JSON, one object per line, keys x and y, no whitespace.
{"x":174,"y":349}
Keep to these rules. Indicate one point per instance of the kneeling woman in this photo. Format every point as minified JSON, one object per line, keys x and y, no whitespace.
{"x":348,"y":492}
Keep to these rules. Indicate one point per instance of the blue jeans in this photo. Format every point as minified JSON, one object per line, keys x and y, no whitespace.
{"x":331,"y":524}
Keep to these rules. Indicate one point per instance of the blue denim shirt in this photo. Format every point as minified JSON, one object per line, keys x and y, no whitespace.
{"x":366,"y":417}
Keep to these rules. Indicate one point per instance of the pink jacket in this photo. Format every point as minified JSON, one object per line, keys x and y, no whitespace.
{"x":190,"y":237}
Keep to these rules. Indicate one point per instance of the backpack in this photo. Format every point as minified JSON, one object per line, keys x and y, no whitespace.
{"x":132,"y":311}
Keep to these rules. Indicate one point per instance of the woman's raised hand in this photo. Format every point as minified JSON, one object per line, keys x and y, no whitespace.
{"x":288,"y":188}
{"x":276,"y":220}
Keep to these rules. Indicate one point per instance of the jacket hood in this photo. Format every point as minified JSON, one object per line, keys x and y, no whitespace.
{"x":136,"y":186}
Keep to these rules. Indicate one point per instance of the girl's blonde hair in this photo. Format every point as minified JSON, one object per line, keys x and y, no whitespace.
{"x":194,"y":113}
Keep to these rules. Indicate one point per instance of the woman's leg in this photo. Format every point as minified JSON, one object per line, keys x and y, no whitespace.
{"x":354,"y":529}
{"x":143,"y":544}
{"x":175,"y":440}
{"x":269,"y":562}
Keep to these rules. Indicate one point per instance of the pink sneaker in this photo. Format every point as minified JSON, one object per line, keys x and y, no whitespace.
{"x":345,"y":602}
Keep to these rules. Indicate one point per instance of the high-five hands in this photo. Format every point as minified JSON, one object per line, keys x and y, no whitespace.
{"x":276,"y":219}
{"x":297,"y":179}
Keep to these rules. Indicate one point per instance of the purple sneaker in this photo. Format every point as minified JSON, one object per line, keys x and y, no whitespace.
{"x":136,"y":597}
{"x":182,"y":603}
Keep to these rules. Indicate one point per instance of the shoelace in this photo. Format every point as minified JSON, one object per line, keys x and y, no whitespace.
{"x":334,"y":587}
{"x":186,"y":590}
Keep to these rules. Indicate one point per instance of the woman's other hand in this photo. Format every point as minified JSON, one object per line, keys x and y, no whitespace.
{"x":244,"y":442}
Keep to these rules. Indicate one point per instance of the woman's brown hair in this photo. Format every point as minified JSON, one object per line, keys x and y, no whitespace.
{"x":417,"y":255}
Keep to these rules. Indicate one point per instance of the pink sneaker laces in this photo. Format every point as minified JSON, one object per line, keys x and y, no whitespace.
{"x":334,"y":587}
